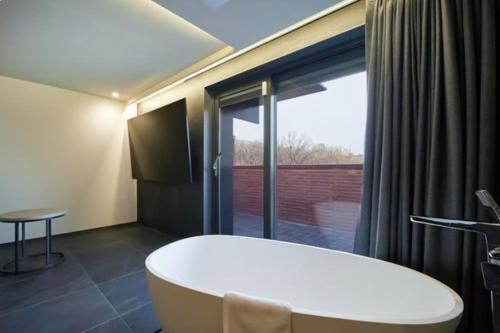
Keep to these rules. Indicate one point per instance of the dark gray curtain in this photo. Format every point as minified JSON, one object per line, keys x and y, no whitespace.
{"x":432,"y":138}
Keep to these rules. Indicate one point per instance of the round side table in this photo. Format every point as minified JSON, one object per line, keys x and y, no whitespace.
{"x":22,"y":263}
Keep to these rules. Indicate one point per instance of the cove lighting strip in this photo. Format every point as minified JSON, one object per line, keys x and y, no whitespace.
{"x":285,"y":31}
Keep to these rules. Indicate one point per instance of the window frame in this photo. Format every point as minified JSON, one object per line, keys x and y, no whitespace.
{"x":344,"y":54}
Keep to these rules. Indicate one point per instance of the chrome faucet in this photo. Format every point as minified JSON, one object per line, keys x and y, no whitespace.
{"x":488,"y":201}
{"x":491,"y":234}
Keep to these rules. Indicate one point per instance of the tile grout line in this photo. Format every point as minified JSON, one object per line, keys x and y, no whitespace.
{"x":102,"y":294}
{"x":100,"y":324}
{"x":48,"y":300}
{"x":41,"y":271}
{"x":118,"y":277}
{"x":130,"y":311}
{"x":18,"y":281}
{"x":118,"y":315}
{"x":136,"y":308}
{"x":92,"y":284}
{"x":28,"y":277}
{"x":97,"y":287}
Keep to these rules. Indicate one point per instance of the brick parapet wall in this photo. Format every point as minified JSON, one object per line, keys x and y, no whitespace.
{"x":321,"y":195}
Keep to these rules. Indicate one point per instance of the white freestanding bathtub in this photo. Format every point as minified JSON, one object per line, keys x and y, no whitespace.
{"x":329,"y":291}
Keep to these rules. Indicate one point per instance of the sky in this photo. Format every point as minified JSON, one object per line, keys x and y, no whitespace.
{"x":335,"y":117}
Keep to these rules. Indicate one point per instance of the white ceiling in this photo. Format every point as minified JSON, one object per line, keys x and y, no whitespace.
{"x":97,"y":46}
{"x":241,"y":23}
{"x":128,"y":46}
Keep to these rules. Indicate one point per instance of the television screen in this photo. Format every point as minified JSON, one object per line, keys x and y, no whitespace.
{"x":159,"y":145}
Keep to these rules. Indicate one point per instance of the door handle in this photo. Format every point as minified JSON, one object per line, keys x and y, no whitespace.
{"x":215,"y":165}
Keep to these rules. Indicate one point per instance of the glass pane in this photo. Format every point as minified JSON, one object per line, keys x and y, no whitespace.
{"x":242,"y":148}
{"x":320,"y":133}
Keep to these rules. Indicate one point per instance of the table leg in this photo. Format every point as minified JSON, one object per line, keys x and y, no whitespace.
{"x":48,"y":246}
{"x":50,"y":236}
{"x":16,"y":255}
{"x":23,"y":235}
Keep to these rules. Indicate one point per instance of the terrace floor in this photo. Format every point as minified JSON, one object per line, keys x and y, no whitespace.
{"x":252,"y":226}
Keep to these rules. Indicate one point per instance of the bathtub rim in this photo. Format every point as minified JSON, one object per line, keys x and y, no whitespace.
{"x":454,"y":314}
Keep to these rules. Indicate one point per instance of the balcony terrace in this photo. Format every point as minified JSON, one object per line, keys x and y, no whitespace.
{"x":316,"y":204}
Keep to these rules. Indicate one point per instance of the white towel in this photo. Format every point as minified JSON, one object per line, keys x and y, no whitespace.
{"x":249,"y":314}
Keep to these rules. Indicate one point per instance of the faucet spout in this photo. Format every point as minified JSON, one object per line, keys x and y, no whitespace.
{"x":491,"y":234}
{"x":490,"y":231}
{"x":487,"y":200}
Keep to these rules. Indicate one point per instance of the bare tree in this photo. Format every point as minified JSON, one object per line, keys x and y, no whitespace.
{"x":248,"y":152}
{"x":294,"y":149}
{"x":334,"y":155}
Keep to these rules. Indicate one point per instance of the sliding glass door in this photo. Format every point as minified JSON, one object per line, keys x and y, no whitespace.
{"x":291,"y":154}
{"x":320,"y":130}
{"x":243,"y":183}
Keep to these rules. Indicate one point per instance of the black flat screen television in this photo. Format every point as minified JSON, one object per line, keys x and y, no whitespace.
{"x":159,"y":145}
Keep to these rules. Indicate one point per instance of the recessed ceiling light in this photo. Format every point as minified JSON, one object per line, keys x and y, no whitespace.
{"x":115,"y":94}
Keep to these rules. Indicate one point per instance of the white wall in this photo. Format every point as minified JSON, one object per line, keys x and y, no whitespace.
{"x":60,"y":148}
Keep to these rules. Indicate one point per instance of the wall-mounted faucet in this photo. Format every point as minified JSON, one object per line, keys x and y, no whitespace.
{"x":491,"y":234}
{"x":488,"y":201}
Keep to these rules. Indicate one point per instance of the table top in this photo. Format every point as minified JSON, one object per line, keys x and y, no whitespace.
{"x":32,"y":215}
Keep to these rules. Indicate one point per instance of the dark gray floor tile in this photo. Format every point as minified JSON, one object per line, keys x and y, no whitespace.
{"x":88,"y":239}
{"x":7,"y":279}
{"x":32,"y":247}
{"x":113,"y":326}
{"x":109,"y":261}
{"x":127,"y":292}
{"x":71,"y":313}
{"x":148,"y":249}
{"x":146,"y":239}
{"x":59,"y":280}
{"x":142,"y":320}
{"x":27,"y":302}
